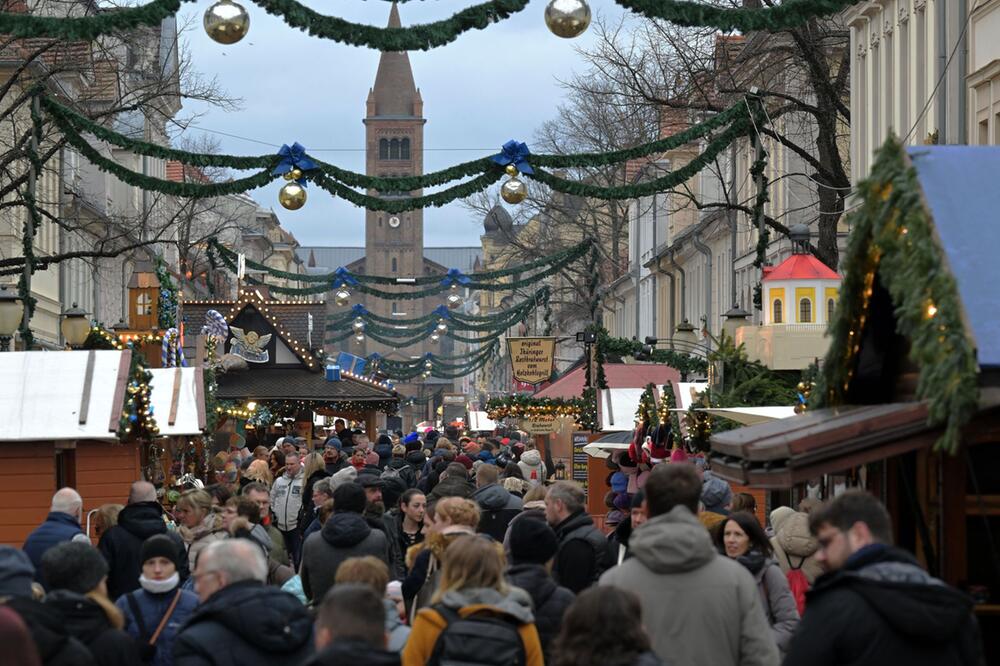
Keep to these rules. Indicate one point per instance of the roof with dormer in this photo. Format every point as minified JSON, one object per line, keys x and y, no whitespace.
{"x":800,"y":267}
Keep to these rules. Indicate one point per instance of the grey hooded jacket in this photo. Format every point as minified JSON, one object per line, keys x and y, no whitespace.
{"x":700,"y":608}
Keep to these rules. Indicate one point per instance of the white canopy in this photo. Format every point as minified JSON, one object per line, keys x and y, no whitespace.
{"x":479,"y":422}
{"x":750,"y":415}
{"x":53,"y":395}
{"x":616,"y":409}
{"x":178,"y":401}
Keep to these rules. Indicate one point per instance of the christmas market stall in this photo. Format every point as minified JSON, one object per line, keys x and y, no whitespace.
{"x":907,"y":402}
{"x":93,"y":420}
{"x":269,"y":365}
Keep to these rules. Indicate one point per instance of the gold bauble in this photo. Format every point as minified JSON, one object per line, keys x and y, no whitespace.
{"x":288,"y":176}
{"x":292,"y":196}
{"x":514,"y":191}
{"x":359,"y":338}
{"x":454,"y":300}
{"x":511,"y":170}
{"x":227,"y":22}
{"x":567,"y":18}
{"x":295,"y":174}
{"x":442,"y":327}
{"x":342,"y":297}
{"x":359,"y":325}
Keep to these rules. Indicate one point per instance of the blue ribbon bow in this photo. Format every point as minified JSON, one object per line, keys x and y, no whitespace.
{"x":374,"y":357}
{"x":455,"y":276}
{"x":294,"y":157}
{"x":516,"y":153}
{"x":359,"y":310}
{"x":343,"y":277}
{"x":442,"y":312}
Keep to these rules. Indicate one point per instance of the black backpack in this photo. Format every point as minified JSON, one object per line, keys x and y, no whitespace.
{"x":481,"y":639}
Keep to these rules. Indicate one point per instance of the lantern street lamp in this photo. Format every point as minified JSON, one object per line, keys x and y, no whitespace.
{"x":11,"y":312}
{"x":735,"y":318}
{"x":75,"y":327}
{"x":686,"y":333}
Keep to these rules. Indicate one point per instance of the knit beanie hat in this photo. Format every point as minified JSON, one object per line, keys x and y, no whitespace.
{"x":160,"y":545}
{"x":715,"y":493}
{"x":75,"y":566}
{"x":619,"y":482}
{"x":349,"y":497}
{"x":465,"y":460}
{"x":16,"y":573}
{"x":334,"y":442}
{"x":532,"y":541}
{"x":346,"y":475}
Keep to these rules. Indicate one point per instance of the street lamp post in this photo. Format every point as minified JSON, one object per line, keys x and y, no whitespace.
{"x":11,"y":313}
{"x":686,"y":333}
{"x":75,"y":327}
{"x":734,"y":318}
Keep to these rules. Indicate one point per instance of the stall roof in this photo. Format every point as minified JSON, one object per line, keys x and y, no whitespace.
{"x":959,"y":186}
{"x":296,"y":384}
{"x":49,"y":396}
{"x":185,"y":413}
{"x":616,"y":408}
{"x":750,"y":415}
{"x":620,"y":375}
{"x":479,"y":422}
{"x":782,"y":453}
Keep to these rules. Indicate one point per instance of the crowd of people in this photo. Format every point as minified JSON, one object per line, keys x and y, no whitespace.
{"x":446,"y":549}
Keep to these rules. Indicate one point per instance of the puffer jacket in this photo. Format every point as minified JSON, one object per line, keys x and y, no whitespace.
{"x":532,"y":467}
{"x":122,"y":544}
{"x":94,"y":623}
{"x":497,"y":508}
{"x":152,"y":607}
{"x":343,"y":536}
{"x":246,"y":623}
{"x":549,"y":600}
{"x":58,"y":527}
{"x":794,"y":545}
{"x":286,"y":500}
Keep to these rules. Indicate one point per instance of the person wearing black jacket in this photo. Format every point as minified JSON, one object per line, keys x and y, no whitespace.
{"x":77,"y":574}
{"x":350,"y":629}
{"x":121,"y":545}
{"x":55,"y":645}
{"x":532,"y":546}
{"x":241,"y":620}
{"x":583,"y":551}
{"x":876,"y":605}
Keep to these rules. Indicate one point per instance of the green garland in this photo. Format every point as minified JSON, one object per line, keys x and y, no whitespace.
{"x":669,"y":403}
{"x":404,"y":370}
{"x":522,"y":406}
{"x":893,"y":236}
{"x":137,"y":422}
{"x":764,"y":237}
{"x":788,"y":14}
{"x":625,"y":347}
{"x":167,"y":304}
{"x":32,"y":221}
{"x":646,"y":413}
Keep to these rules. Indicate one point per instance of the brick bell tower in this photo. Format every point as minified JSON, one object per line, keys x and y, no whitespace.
{"x":394,"y":142}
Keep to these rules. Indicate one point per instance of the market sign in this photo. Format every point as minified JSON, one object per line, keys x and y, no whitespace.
{"x":532,"y":359}
{"x":539,"y":426}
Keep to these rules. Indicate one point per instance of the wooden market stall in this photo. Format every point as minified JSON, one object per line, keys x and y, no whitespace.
{"x":910,"y":387}
{"x":272,"y":356}
{"x":59,"y":426}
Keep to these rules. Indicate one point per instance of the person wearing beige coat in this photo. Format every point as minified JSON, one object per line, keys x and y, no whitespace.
{"x":794,"y":545}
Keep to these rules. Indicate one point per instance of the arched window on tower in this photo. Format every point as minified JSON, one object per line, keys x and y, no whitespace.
{"x":805,"y":311}
{"x":394,"y":264}
{"x":394,"y":149}
{"x":404,"y":149}
{"x":831,"y":308}
{"x":383,"y":149}
{"x":776,"y":317}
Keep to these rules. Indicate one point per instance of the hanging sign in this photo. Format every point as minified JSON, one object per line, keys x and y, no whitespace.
{"x":532,"y":359}
{"x":539,"y":426}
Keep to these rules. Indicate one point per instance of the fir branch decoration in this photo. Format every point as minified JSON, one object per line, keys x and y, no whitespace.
{"x":894,"y":237}
{"x":686,"y":364}
{"x":87,"y":28}
{"x":788,"y":14}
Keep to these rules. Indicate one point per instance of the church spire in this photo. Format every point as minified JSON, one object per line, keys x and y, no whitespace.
{"x":394,"y":92}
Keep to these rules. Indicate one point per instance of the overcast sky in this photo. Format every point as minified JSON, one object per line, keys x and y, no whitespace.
{"x":486,"y":87}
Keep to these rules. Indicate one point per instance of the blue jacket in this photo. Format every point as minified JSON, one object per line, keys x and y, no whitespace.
{"x":152,"y":607}
{"x":57,"y":528}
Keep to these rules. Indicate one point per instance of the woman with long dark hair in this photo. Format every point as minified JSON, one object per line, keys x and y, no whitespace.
{"x":743,"y":539}
{"x":603,"y":627}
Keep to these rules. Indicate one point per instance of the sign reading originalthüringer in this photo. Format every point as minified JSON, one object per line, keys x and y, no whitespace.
{"x":532,"y":359}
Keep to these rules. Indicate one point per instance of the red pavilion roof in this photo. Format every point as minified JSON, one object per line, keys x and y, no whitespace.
{"x":800,"y":267}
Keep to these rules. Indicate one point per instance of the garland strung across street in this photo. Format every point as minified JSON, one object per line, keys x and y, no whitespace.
{"x":297,"y":167}
{"x":894,"y":237}
{"x":227,"y":22}
{"x":431,"y":365}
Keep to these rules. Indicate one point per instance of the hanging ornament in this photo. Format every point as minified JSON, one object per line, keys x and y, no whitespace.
{"x":292,"y":196}
{"x":567,"y":18}
{"x":427,"y":373}
{"x":442,"y":327}
{"x":435,"y":337}
{"x":359,"y":325}
{"x":342,"y":297}
{"x":359,"y":338}
{"x":428,"y":364}
{"x":227,"y":22}
{"x":514,"y":191}
{"x":511,"y":170}
{"x":454,"y":298}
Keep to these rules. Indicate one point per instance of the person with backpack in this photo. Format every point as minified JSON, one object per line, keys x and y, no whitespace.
{"x":741,"y":538}
{"x":795,"y":550}
{"x":497,"y":505}
{"x":156,"y":612}
{"x":475,"y":616}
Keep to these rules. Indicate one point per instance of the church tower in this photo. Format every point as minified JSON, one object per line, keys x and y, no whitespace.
{"x":394,"y":142}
